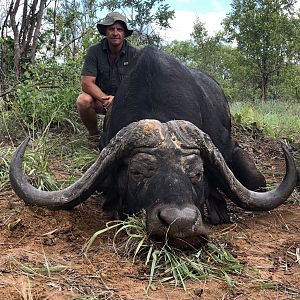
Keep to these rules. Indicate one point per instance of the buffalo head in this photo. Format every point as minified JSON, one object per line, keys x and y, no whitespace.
{"x":162,"y":168}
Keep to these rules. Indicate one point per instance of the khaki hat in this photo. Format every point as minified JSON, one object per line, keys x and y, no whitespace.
{"x":110,"y":19}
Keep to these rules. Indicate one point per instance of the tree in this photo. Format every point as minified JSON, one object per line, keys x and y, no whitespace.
{"x":68,"y":29}
{"x":145,"y":16}
{"x":201,"y":51}
{"x":219,"y":59}
{"x":70,"y":23}
{"x":183,"y":51}
{"x":26,"y":30}
{"x":265,"y":32}
{"x":209,"y":51}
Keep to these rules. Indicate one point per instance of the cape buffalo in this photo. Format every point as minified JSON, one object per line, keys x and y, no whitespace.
{"x":167,"y":149}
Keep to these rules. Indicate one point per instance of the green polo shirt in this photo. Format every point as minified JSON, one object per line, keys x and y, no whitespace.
{"x":108,"y":74}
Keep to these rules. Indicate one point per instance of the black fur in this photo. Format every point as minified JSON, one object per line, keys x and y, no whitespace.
{"x":159,"y":87}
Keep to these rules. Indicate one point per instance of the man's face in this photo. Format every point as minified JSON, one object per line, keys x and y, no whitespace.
{"x":115,"y":34}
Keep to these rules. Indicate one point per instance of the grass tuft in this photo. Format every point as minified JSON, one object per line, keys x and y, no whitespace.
{"x":164,"y":262}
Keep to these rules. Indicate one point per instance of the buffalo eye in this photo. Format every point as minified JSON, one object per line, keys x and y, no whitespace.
{"x":196,"y":177}
{"x":137,"y":175}
{"x":141,"y":166}
{"x":193,"y":167}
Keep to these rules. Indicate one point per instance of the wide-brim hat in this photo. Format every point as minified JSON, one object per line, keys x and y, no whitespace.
{"x":110,"y":19}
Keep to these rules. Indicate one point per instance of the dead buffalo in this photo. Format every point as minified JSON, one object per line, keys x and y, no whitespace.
{"x":167,"y":148}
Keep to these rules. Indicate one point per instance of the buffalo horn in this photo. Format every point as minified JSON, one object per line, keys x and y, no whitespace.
{"x":240,"y":195}
{"x":145,"y":133}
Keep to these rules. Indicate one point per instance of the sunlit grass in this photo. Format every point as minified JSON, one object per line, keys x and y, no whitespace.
{"x":276,"y":119}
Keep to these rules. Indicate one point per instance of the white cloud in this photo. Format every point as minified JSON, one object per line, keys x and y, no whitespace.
{"x":217,"y":5}
{"x":183,"y":24}
{"x":212,"y":21}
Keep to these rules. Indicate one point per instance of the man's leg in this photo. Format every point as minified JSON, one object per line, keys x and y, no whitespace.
{"x":88,"y":108}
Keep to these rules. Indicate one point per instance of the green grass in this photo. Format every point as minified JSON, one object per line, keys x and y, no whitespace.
{"x":5,"y":157}
{"x":276,"y":119}
{"x":51,"y":161}
{"x":167,"y":264}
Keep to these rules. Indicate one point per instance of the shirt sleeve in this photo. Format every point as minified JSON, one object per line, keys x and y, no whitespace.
{"x":90,"y":63}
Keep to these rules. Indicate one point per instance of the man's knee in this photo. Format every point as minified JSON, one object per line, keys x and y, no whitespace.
{"x":84,"y":100}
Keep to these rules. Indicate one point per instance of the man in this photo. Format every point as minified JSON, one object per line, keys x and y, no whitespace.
{"x":106,"y":63}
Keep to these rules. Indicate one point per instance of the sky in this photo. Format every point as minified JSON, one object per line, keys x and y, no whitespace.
{"x":209,"y":12}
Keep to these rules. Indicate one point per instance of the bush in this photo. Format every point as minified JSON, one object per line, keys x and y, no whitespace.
{"x":45,"y":98}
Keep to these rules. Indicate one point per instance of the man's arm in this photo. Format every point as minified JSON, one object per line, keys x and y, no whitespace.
{"x":88,"y":85}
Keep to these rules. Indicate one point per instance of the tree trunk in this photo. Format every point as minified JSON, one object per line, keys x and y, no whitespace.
{"x":264,"y":78}
{"x":25,"y":31}
{"x":264,"y":87}
{"x":17,"y":51}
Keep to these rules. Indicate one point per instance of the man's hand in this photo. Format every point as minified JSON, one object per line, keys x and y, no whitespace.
{"x":107,"y":101}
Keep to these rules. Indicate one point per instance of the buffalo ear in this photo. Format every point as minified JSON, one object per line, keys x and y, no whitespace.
{"x":122,"y":182}
{"x":245,"y":170}
{"x":115,"y":192}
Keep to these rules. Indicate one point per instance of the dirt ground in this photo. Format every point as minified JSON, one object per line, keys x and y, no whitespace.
{"x":34,"y":239}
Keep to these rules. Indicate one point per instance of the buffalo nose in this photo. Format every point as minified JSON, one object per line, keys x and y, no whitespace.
{"x":175,"y":217}
{"x":179,"y":225}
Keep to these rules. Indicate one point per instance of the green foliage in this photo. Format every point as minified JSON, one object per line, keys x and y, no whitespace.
{"x":38,"y":160}
{"x":36,"y":165}
{"x":47,"y":97}
{"x":236,"y":76}
{"x":265,"y":32}
{"x":183,"y":51}
{"x":219,"y":60}
{"x":209,"y":52}
{"x":67,"y":153}
{"x":262,"y":29}
{"x":71,"y":28}
{"x":287,"y":88}
{"x":276,"y":119}
{"x":5,"y":157}
{"x":251,"y":67}
{"x":75,"y":157}
{"x":165,"y":263}
{"x":6,"y":62}
{"x":202,"y":51}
